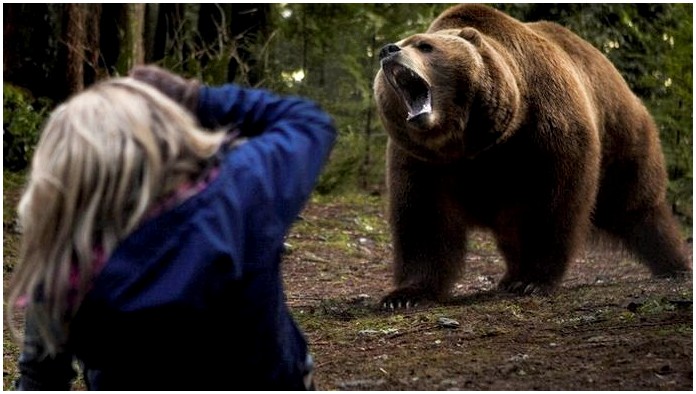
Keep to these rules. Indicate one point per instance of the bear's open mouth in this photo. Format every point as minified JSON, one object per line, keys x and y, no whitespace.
{"x":413,"y":89}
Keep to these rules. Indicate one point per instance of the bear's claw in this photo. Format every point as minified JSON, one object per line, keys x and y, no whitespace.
{"x":526,"y":288}
{"x":406,"y":298}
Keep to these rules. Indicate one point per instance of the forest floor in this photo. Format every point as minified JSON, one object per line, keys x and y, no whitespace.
{"x":609,"y":327}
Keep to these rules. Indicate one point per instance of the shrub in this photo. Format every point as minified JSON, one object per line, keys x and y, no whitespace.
{"x":348,"y":170}
{"x":22,"y":118}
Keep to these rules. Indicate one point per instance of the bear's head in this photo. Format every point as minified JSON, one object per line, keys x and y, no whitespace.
{"x":446,"y":95}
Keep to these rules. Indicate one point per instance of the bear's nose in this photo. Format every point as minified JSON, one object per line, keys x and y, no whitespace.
{"x":388,"y":50}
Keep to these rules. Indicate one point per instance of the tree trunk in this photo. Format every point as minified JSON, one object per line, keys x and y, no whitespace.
{"x":150,"y":31}
{"x":132,"y":25}
{"x":137,"y":25}
{"x":92,"y":51}
{"x":75,"y":42}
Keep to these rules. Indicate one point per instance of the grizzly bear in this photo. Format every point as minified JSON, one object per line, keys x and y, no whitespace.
{"x":523,"y":129}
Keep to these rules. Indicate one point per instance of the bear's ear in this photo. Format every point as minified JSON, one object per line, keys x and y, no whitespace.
{"x":472,"y":35}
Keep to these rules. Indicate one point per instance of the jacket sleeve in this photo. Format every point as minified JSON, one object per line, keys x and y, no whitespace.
{"x":290,"y":140}
{"x":39,"y":371}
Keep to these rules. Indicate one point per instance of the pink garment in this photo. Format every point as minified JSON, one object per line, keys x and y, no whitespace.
{"x":182,"y":193}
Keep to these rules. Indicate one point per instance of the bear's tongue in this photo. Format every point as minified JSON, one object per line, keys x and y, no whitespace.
{"x":414,"y":90}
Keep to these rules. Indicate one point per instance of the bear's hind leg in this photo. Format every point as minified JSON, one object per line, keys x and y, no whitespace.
{"x":653,"y":237}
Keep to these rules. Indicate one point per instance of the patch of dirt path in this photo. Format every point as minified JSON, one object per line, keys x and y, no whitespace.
{"x":609,"y":327}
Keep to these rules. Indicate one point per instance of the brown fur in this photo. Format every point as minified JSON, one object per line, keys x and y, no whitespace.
{"x":534,"y":135}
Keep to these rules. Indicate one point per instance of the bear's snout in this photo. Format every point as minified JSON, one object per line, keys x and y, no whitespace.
{"x":388,"y":50}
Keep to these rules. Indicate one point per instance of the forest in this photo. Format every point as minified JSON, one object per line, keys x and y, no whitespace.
{"x":322,"y":51}
{"x":610,"y":326}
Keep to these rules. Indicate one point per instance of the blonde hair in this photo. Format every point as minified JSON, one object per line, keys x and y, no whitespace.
{"x":105,"y":157}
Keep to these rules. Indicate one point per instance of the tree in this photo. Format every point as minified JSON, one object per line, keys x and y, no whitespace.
{"x":132,"y":49}
{"x":75,"y":38}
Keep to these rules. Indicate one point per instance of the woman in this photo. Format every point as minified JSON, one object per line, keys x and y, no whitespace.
{"x":151,"y":247}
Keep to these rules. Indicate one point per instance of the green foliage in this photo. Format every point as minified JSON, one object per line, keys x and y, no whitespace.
{"x":347,"y":170}
{"x":22,"y":118}
{"x":672,"y":107}
{"x":211,"y":56}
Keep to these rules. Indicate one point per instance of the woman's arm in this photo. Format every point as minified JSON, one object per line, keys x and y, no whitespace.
{"x":290,"y":140}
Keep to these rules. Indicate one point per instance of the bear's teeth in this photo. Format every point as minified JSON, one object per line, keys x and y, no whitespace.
{"x":413,"y":89}
{"x":419,"y":107}
{"x":426,"y":109}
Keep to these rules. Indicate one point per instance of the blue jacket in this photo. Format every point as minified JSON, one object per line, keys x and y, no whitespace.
{"x":193,"y":299}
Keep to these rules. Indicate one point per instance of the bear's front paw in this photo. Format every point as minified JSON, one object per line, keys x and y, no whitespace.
{"x":524,"y":288}
{"x":407,"y":297}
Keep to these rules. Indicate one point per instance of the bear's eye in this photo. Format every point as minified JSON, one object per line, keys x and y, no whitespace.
{"x":424,"y":47}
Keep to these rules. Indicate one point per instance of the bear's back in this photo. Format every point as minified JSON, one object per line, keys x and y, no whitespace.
{"x":586,"y":58}
{"x":530,"y":43}
{"x":624,"y":120}
{"x":485,"y":19}
{"x":529,"y":38}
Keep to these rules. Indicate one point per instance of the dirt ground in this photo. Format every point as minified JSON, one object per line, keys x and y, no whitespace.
{"x":610,"y":326}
